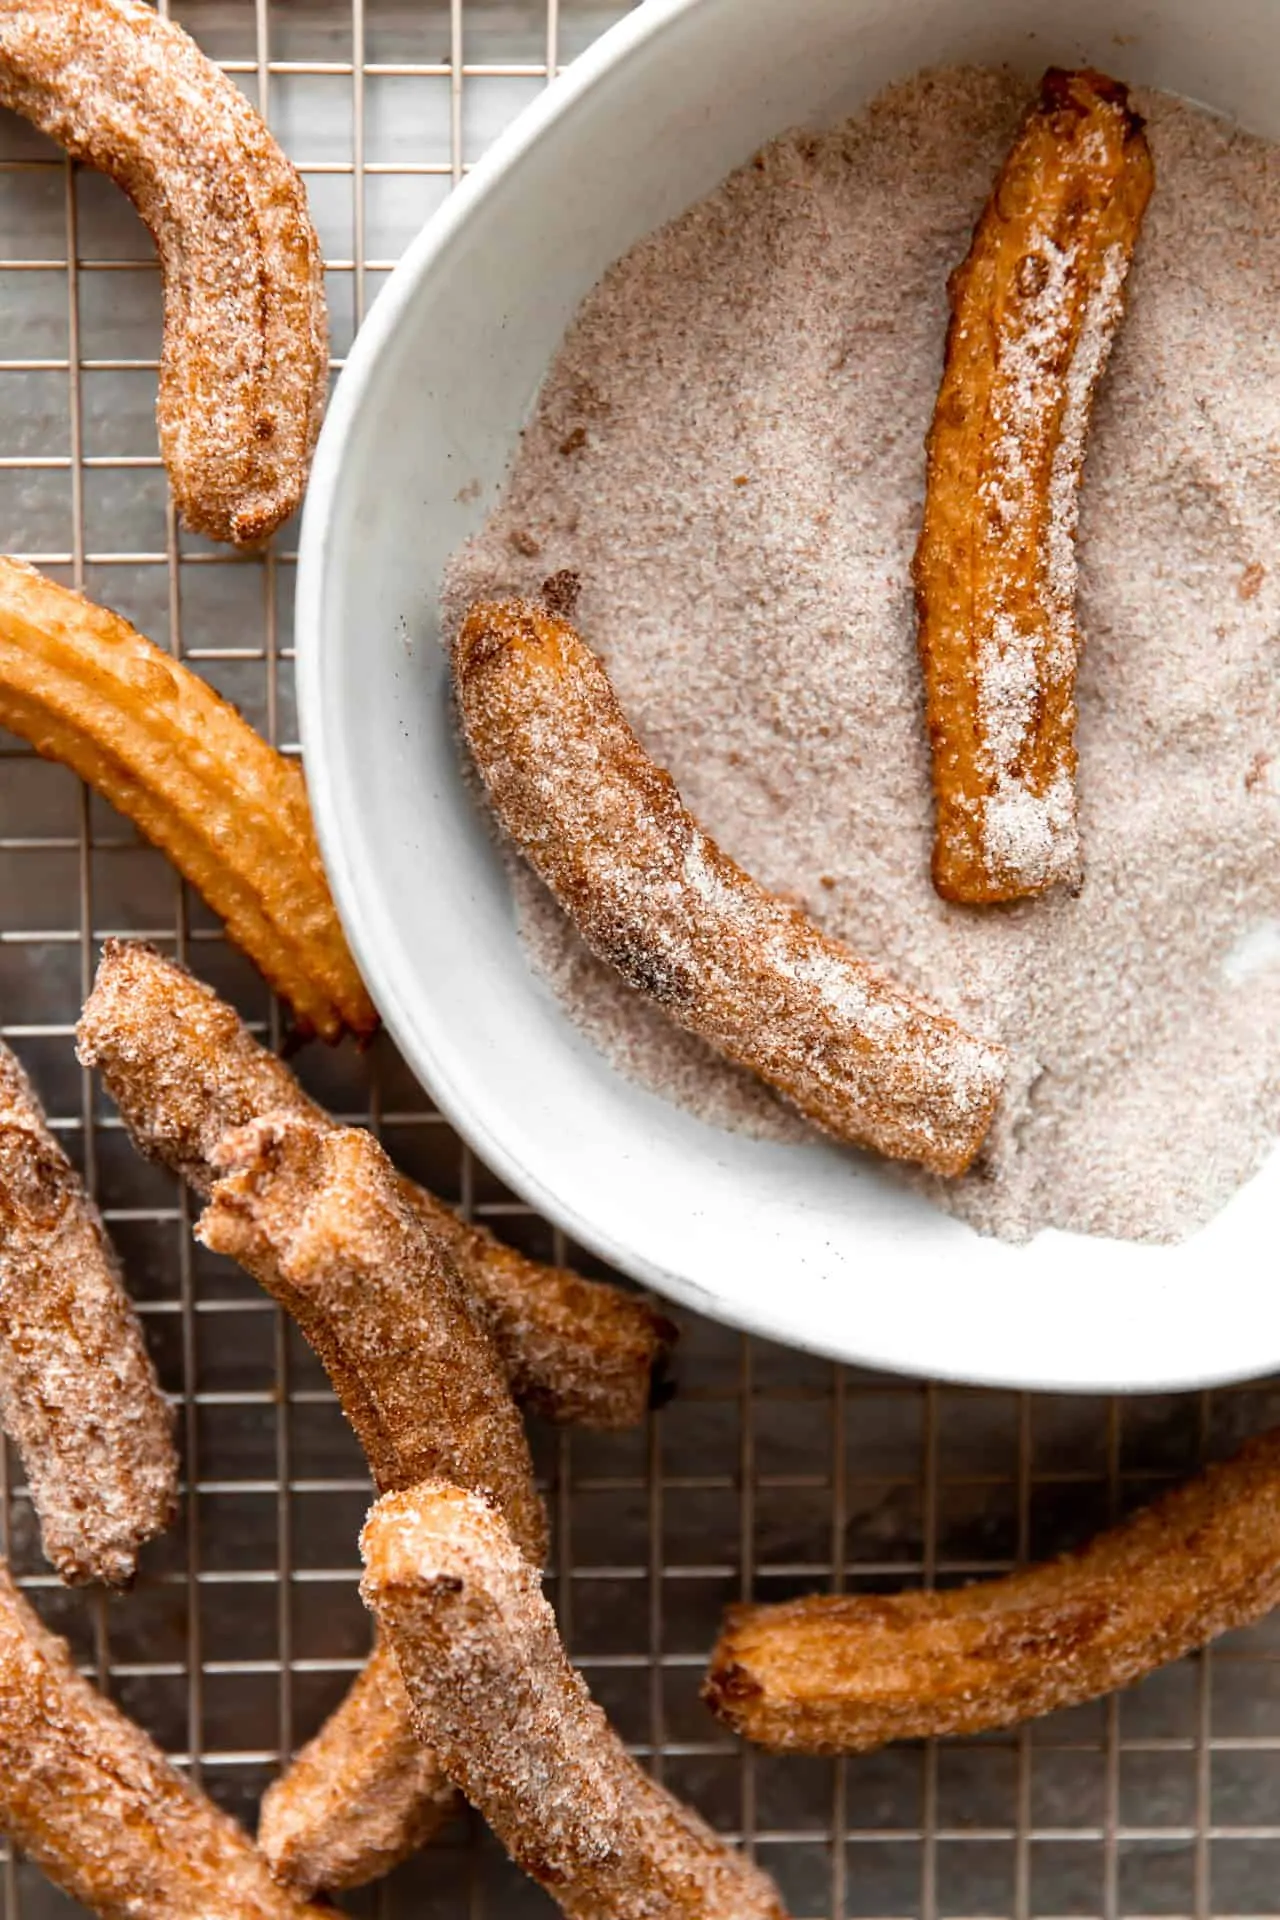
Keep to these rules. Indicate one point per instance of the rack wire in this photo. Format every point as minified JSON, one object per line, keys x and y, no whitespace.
{"x":772,"y":1473}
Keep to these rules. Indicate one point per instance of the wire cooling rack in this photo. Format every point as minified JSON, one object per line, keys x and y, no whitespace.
{"x":772,"y":1473}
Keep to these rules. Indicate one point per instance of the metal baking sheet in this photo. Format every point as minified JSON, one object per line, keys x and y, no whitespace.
{"x":772,"y":1473}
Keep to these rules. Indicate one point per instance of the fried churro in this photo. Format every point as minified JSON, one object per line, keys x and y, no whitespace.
{"x":657,"y":899}
{"x":184,"y":1071}
{"x":361,"y":1796}
{"x":1034,"y":308}
{"x":318,"y":1216}
{"x":95,"y":1803}
{"x":169,"y":753}
{"x":492,"y":1692}
{"x":245,"y":357}
{"x":843,"y":1672}
{"x":78,"y":1394}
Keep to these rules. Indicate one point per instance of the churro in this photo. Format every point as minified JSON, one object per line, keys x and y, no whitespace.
{"x":316,"y":1214}
{"x":92,"y":1800}
{"x":361,"y":1796}
{"x":492,"y":1692}
{"x":840,"y":1673}
{"x":658,"y":900}
{"x":156,"y":741}
{"x":245,"y":357}
{"x":184,"y":1071}
{"x":1034,"y":308}
{"x":78,"y":1393}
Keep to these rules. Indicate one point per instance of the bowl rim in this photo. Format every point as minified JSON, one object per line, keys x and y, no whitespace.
{"x":643,"y":24}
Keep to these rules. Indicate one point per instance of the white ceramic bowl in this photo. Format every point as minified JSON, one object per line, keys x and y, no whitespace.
{"x":806,"y":1243}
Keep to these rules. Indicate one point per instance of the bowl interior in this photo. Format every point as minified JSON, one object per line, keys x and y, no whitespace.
{"x":808,"y":1244}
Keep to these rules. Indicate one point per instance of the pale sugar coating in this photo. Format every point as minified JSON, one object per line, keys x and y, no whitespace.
{"x":78,"y":1394}
{"x":729,"y":453}
{"x":245,"y":365}
{"x":492,"y":1692}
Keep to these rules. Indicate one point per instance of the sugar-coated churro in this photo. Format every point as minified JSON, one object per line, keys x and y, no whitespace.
{"x":493,"y":1694}
{"x":657,"y":899}
{"x":95,"y":1803}
{"x":184,"y":1071}
{"x":78,"y":1393}
{"x":839,"y":1673}
{"x":245,"y":360}
{"x":361,"y":1796}
{"x":317,"y":1215}
{"x":156,"y":741}
{"x":1034,"y":308}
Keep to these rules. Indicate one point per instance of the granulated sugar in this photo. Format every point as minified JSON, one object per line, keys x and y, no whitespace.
{"x":729,"y":454}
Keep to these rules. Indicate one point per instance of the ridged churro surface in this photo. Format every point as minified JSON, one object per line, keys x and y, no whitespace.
{"x":653,"y":895}
{"x":155,"y":740}
{"x":78,"y":1394}
{"x":95,"y":1803}
{"x":245,"y":362}
{"x":837,"y":1673}
{"x":184,"y":1071}
{"x":1034,"y":307}
{"x":492,"y":1691}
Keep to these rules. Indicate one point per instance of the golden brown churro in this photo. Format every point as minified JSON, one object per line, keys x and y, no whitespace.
{"x":656,"y":898}
{"x":359,"y":1798}
{"x":245,"y":360}
{"x":1034,"y":308}
{"x":493,"y":1694}
{"x":95,"y":1803}
{"x":152,"y":738}
{"x":78,"y":1393}
{"x":839,"y":1673}
{"x":184,"y":1071}
{"x":318,"y":1215}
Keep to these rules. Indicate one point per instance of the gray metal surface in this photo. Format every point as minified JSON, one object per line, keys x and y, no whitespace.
{"x":772,"y":1473}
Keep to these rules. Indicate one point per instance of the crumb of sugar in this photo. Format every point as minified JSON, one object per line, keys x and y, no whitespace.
{"x":728,"y":454}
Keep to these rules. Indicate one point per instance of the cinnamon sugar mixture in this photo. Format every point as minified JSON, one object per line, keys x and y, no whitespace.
{"x":728,"y":453}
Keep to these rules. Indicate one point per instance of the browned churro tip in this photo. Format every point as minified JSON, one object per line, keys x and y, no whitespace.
{"x":657,"y":899}
{"x":843,"y":1673}
{"x":78,"y":1394}
{"x":1035,"y":306}
{"x":94,"y":1803}
{"x":466,"y":1617}
{"x":84,"y":688}
{"x":245,"y":358}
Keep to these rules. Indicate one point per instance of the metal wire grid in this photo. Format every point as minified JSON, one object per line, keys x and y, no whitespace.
{"x":772,"y":1473}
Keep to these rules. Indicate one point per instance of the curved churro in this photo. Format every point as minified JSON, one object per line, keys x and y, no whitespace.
{"x":78,"y":1393}
{"x":156,"y":741}
{"x":316,"y":1214}
{"x":1034,"y":308}
{"x":95,"y":1803}
{"x":657,"y":899}
{"x":839,"y":1673}
{"x":184,"y":1072}
{"x":359,"y":1798}
{"x":245,"y":359}
{"x":493,"y":1694}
